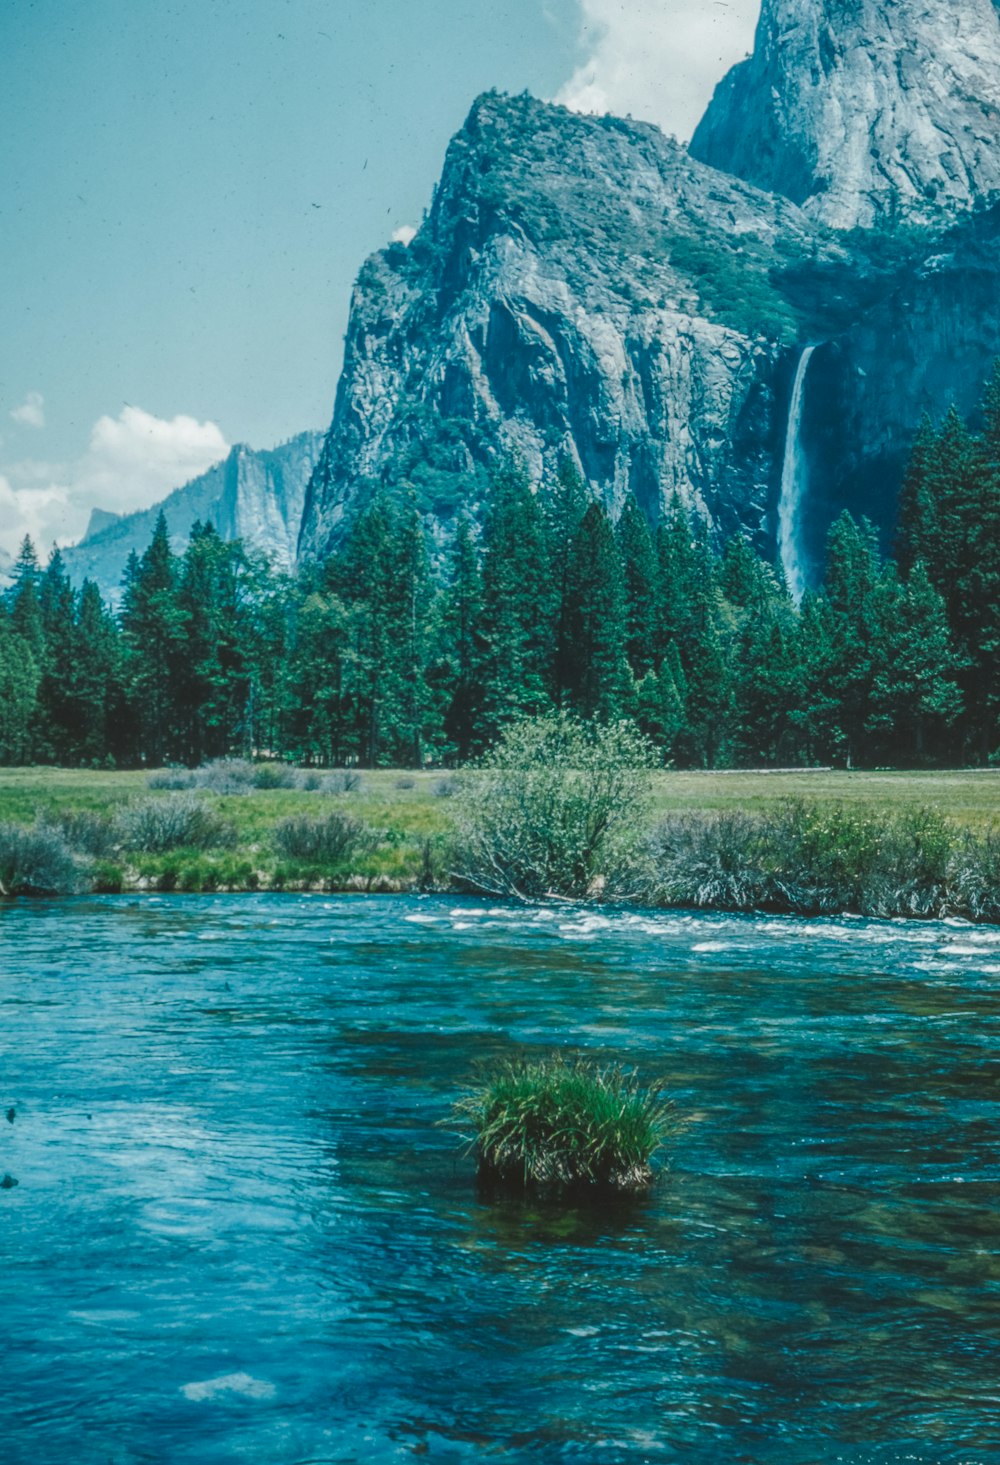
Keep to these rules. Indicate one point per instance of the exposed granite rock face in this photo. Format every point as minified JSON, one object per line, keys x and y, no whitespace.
{"x":865,"y":111}
{"x":580,"y":287}
{"x":256,"y":496}
{"x":929,"y":341}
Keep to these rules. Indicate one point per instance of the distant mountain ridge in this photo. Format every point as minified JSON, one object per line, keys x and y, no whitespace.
{"x":253,"y":494}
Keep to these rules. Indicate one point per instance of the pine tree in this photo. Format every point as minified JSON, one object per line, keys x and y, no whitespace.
{"x":915,"y":697}
{"x":95,"y":691}
{"x":56,"y":731}
{"x":19,"y":678}
{"x":916,"y":535}
{"x":461,"y":619}
{"x":517,"y":611}
{"x":564,"y":509}
{"x":599,"y":683}
{"x":639,"y":571}
{"x":153,"y":625}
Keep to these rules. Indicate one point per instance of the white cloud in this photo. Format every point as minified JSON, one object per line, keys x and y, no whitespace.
{"x":658,"y":59}
{"x":405,"y":234}
{"x":31,"y":412}
{"x":131,"y":461}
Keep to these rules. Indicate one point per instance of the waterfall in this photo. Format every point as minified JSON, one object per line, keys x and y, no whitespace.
{"x":794,"y":481}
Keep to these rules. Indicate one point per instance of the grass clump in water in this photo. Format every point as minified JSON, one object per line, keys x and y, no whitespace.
{"x":553,"y":1125}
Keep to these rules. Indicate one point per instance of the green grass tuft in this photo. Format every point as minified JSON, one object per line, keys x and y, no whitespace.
{"x":553,"y":1125}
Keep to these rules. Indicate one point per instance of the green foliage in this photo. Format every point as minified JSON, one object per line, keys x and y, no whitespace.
{"x":555,"y":1125}
{"x":329,"y":840}
{"x":734,"y":285}
{"x":822,"y":860}
{"x":36,"y":860}
{"x":556,"y":809}
{"x":175,"y":821}
{"x":393,"y":654}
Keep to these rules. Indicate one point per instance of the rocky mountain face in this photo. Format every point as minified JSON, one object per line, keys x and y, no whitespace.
{"x":586,"y":288}
{"x":865,"y":112}
{"x":256,"y":496}
{"x":582,"y":288}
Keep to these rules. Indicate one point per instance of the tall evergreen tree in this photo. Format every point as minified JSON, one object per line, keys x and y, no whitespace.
{"x":516,"y":621}
{"x":599,"y":682}
{"x":154,"y":626}
{"x":639,"y":572}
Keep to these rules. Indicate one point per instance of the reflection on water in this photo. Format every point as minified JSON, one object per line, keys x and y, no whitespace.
{"x":240,"y":1234}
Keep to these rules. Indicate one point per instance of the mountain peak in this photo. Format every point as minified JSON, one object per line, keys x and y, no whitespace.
{"x":865,"y":112}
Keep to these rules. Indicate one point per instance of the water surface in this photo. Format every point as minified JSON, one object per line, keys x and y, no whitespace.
{"x":240,"y":1233}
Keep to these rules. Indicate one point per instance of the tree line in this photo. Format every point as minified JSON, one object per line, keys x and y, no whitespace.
{"x":399,"y":652}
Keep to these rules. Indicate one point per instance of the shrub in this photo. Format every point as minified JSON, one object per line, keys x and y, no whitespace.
{"x":326,"y":839}
{"x":975,"y":876}
{"x":406,"y":782}
{"x":551,"y":1124}
{"x":445,"y":788}
{"x":172,"y":778}
{"x":36,"y":860}
{"x":813,"y":860}
{"x":715,"y":862}
{"x":227,"y":776}
{"x":152,"y":826}
{"x":86,"y":832}
{"x":275,"y":775}
{"x":342,"y":781}
{"x":557,"y":809}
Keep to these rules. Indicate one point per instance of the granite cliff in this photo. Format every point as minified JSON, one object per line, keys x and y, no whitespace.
{"x":865,"y":112}
{"x":580,"y":287}
{"x":253,"y":495}
{"x":585,"y":287}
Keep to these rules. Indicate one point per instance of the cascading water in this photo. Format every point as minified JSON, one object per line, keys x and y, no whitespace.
{"x":794,"y":481}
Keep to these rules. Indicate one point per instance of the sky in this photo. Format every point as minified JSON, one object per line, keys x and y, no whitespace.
{"x":189,"y":187}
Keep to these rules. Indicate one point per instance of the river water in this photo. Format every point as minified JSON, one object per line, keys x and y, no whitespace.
{"x":240,"y":1233}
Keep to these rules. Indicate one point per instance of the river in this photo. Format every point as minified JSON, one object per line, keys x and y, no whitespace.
{"x":240,"y":1233}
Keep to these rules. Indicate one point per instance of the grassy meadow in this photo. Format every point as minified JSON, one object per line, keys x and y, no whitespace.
{"x":413,"y":816}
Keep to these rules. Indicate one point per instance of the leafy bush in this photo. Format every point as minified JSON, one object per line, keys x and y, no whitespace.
{"x":86,"y":832}
{"x":325,"y":839}
{"x":342,"y":781}
{"x":975,"y":876}
{"x":36,"y":860}
{"x":275,"y":775}
{"x":552,"y":1124}
{"x":557,"y":809}
{"x":152,"y":826}
{"x":172,"y":778}
{"x":815,"y":860}
{"x":227,"y":776}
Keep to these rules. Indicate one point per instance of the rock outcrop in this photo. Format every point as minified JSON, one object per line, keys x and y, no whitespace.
{"x":865,"y":112}
{"x":253,"y":495}
{"x":586,"y":288}
{"x":582,"y":288}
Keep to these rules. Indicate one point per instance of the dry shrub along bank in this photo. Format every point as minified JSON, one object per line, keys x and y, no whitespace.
{"x":718,"y":839}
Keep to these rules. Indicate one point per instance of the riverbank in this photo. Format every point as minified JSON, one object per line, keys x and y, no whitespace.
{"x":409,"y":820}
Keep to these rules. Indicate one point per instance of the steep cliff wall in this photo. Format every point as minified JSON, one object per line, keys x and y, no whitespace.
{"x":257,"y":496}
{"x":581,"y":287}
{"x":865,"y":111}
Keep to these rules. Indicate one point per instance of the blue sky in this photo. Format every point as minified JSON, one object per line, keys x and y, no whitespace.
{"x":188,"y":188}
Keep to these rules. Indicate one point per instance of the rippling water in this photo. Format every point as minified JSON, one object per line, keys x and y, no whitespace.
{"x":240,"y":1235}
